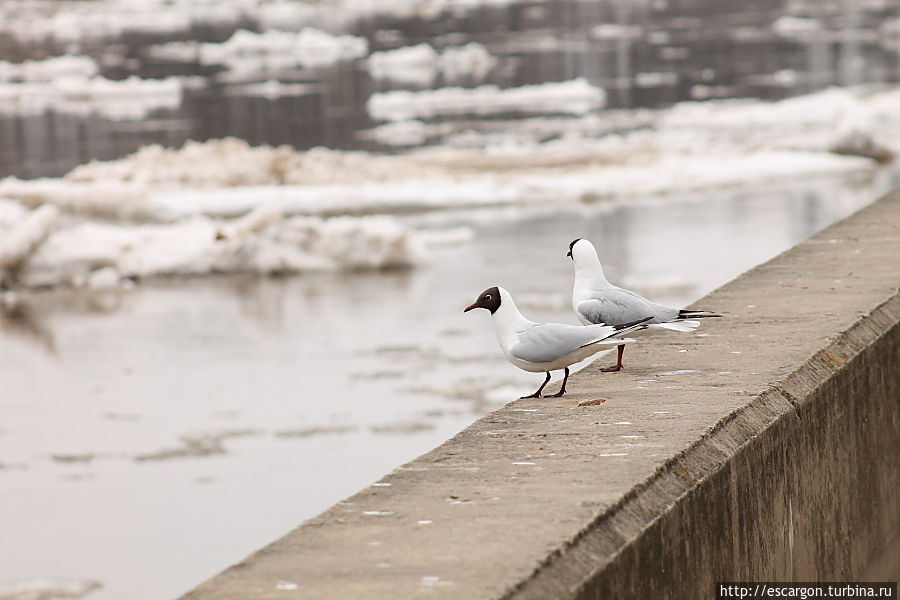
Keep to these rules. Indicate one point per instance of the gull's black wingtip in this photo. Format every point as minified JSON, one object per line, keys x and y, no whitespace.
{"x":697,"y":314}
{"x":632,"y":324}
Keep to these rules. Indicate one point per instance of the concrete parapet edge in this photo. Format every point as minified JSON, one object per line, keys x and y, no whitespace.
{"x":593,"y":566}
{"x":777,"y":458}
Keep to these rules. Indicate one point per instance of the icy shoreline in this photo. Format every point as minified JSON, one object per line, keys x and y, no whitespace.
{"x":692,"y":146}
{"x":42,"y":251}
{"x":287,"y":204}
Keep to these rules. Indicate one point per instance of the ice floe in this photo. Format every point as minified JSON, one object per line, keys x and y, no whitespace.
{"x":421,"y":65}
{"x":270,"y":90}
{"x":23,"y":234}
{"x":48,"y":69}
{"x":796,"y":27}
{"x":250,"y":53}
{"x":104,"y":19}
{"x":104,"y":255}
{"x":128,"y":99}
{"x":224,"y":206}
{"x":400,"y":133}
{"x":818,"y":121}
{"x":76,"y":22}
{"x":692,"y":146}
{"x":232,"y":162}
{"x":574,"y":97}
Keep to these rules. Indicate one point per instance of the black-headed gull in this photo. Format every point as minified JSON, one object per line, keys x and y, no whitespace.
{"x":546,"y":347}
{"x":596,"y":300}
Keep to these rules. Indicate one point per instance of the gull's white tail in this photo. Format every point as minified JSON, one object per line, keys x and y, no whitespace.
{"x":617,"y":341}
{"x":683,"y":326}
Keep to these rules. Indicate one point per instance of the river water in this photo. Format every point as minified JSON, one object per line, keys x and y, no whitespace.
{"x":151,"y":437}
{"x":159,"y":435}
{"x":642,"y":53}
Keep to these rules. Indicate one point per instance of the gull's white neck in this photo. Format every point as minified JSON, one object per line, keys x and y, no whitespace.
{"x":508,"y":321}
{"x":588,"y":271}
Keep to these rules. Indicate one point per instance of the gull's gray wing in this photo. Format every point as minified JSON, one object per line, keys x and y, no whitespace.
{"x":548,"y":341}
{"x":616,"y":306}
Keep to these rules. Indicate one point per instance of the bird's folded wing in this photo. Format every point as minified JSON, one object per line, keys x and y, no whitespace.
{"x":550,"y":341}
{"x":616,"y":306}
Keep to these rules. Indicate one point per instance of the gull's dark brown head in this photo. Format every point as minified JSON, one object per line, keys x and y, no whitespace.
{"x":489,"y":299}
{"x":575,"y":241}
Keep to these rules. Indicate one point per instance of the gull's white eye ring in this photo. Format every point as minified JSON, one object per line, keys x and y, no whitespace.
{"x":487,"y":296}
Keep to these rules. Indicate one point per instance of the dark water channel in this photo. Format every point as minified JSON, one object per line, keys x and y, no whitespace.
{"x":642,"y":53}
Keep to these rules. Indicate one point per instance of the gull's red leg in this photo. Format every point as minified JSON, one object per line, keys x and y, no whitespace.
{"x":618,"y":365}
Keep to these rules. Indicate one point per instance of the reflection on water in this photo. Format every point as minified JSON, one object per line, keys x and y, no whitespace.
{"x":644,"y":54}
{"x":187,"y":423}
{"x":18,"y":320}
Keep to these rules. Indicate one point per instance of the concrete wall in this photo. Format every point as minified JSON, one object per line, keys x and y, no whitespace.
{"x":767,"y":449}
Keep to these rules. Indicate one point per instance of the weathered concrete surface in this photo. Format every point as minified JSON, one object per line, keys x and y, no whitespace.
{"x":766,"y":450}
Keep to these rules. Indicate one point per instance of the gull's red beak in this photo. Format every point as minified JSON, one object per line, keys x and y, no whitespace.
{"x":470,"y":307}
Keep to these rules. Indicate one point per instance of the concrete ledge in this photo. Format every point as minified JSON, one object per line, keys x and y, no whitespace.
{"x":767,"y":450}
